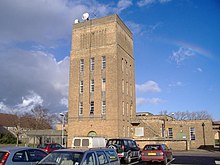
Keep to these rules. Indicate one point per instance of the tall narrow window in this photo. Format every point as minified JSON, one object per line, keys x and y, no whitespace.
{"x":103,"y":107}
{"x":192,"y":133}
{"x":103,"y":62}
{"x":103,"y":84}
{"x":92,"y":64}
{"x":81,"y":65}
{"x":170,"y":132}
{"x":122,"y":65}
{"x":81,"y":87}
{"x":123,"y":86}
{"x":92,"y":86}
{"x":127,"y":87}
{"x":127,"y":109}
{"x":123,"y":107}
{"x":131,"y":90}
{"x":91,"y":108}
{"x":128,"y":131}
{"x":80,"y":108}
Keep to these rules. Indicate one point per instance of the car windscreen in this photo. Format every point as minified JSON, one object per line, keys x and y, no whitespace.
{"x":65,"y":156}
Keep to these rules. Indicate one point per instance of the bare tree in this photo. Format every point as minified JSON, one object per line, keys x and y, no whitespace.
{"x":186,"y":115}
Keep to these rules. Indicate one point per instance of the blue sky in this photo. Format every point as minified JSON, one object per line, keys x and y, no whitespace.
{"x":176,"y":48}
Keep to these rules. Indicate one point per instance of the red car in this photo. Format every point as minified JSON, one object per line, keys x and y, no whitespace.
{"x":49,"y":147}
{"x":156,"y":153}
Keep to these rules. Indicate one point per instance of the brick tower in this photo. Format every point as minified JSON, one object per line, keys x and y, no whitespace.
{"x":102,"y":84}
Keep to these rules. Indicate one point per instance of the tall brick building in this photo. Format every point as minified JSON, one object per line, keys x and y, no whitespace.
{"x":102,"y":84}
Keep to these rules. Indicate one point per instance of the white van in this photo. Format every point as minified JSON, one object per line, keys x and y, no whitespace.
{"x":88,"y":142}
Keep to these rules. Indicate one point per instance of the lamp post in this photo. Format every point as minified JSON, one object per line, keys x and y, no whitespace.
{"x":203,"y":130}
{"x":63,"y":117}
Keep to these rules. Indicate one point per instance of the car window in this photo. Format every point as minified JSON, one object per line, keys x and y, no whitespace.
{"x":42,"y":146}
{"x":20,"y":157}
{"x":152,"y":147}
{"x":90,"y":159}
{"x":112,"y":155}
{"x":102,"y":157}
{"x":58,"y":146}
{"x":85,"y":142}
{"x":35,"y":155}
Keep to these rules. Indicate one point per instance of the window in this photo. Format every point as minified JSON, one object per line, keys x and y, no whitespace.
{"x":92,"y":86}
{"x":170,"y":132}
{"x":92,"y":64}
{"x":122,"y":65}
{"x":128,"y":131}
{"x":127,"y":109}
{"x":81,"y":65}
{"x":80,"y":108}
{"x":90,"y":159}
{"x":19,"y":156}
{"x":131,"y":90}
{"x":101,"y":157}
{"x":35,"y":155}
{"x":103,"y":107}
{"x":192,"y":133}
{"x":123,"y":107}
{"x":103,"y":84}
{"x":92,"y":108}
{"x":123,"y":86}
{"x":127,"y":87}
{"x":103,"y":62}
{"x":81,"y":87}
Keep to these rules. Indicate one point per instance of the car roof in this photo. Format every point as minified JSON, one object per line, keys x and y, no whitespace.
{"x":15,"y":148}
{"x":120,"y":139}
{"x":81,"y":149}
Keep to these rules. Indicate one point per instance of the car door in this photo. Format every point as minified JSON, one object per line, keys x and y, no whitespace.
{"x":20,"y":158}
{"x":35,"y":155}
{"x":134,"y":148}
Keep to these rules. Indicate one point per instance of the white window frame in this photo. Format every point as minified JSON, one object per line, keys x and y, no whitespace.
{"x":103,"y":62}
{"x":92,"y":86}
{"x":81,"y":65}
{"x":80,"y":108}
{"x":92,"y":108}
{"x":170,"y":132}
{"x":103,"y":84}
{"x":192,"y":132}
{"x":103,"y":107}
{"x":81,"y":87}
{"x":92,"y":64}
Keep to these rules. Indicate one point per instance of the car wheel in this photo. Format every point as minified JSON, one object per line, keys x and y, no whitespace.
{"x":128,"y":158}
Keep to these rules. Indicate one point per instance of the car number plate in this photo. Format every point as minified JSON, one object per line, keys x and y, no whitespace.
{"x":152,"y":153}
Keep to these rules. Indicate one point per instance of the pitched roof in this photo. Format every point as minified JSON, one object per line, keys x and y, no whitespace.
{"x":8,"y":120}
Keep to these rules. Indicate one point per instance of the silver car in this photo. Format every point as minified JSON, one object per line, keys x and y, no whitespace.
{"x":92,"y":156}
{"x":21,"y":155}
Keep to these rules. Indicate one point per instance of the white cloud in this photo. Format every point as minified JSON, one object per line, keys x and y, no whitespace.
{"x":142,"y":3}
{"x":199,"y":70}
{"x":175,"y":84}
{"x":182,"y":54}
{"x":123,"y":4}
{"x":149,"y":86}
{"x":29,"y":78}
{"x":151,"y":101}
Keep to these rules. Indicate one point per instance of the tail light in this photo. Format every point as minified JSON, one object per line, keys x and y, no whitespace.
{"x":161,"y":153}
{"x":123,"y":147}
{"x":4,"y":159}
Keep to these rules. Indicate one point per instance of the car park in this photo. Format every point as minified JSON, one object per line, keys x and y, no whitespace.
{"x":127,"y":149}
{"x":50,"y":147}
{"x":20,"y":155}
{"x":92,"y":156}
{"x":156,"y":153}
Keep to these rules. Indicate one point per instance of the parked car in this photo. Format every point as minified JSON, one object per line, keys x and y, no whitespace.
{"x":92,"y":156}
{"x":20,"y":155}
{"x":127,"y":149}
{"x":156,"y":153}
{"x":88,"y":142}
{"x":50,"y":147}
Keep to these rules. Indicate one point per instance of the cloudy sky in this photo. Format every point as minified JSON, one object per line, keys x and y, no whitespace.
{"x":176,"y":47}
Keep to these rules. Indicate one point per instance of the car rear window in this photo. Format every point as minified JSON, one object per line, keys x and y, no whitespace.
{"x":152,"y":147}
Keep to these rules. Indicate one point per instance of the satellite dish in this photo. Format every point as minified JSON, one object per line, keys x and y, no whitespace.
{"x":76,"y":21}
{"x":85,"y":16}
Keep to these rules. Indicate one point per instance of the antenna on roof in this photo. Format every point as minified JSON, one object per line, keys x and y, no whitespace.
{"x":76,"y":21}
{"x":85,"y":16}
